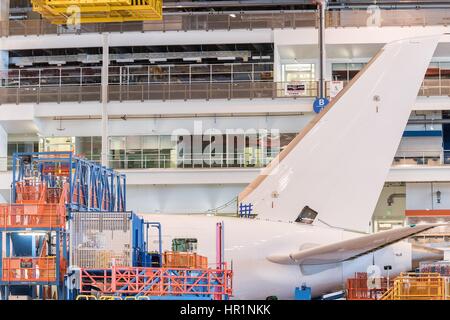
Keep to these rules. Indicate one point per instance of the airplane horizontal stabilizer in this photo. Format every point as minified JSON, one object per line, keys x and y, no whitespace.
{"x":349,"y":249}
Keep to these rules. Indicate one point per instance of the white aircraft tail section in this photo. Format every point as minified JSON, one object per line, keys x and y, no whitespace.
{"x":337,"y":164}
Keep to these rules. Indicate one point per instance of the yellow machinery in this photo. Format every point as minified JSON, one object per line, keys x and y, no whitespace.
{"x":417,"y":286}
{"x":73,"y":12}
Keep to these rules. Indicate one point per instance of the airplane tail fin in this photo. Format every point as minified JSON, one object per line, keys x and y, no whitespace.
{"x":337,"y":165}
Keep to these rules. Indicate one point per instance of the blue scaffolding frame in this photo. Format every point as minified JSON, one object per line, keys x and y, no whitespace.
{"x":92,"y":187}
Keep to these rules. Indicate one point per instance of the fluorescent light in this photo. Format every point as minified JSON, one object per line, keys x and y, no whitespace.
{"x":158,"y":60}
{"x":193,"y":59}
{"x":226,"y":58}
{"x":125,"y":60}
{"x":32,"y":234}
{"x":232,"y":15}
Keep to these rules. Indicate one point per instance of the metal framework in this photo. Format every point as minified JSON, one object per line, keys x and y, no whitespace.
{"x":46,"y":188}
{"x":92,"y":187}
{"x":417,"y":286}
{"x":72,"y":12}
{"x":158,"y":282}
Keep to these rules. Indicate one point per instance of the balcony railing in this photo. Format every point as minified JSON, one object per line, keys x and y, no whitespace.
{"x":205,"y":161}
{"x":392,"y":17}
{"x":151,"y":91}
{"x":178,"y":91}
{"x":239,"y":160}
{"x":422,"y":158}
{"x":248,"y":21}
{"x":193,"y":22}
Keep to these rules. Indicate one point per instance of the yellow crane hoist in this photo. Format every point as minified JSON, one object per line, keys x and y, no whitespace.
{"x":75,"y":12}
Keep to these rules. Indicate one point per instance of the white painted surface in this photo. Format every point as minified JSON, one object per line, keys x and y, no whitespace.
{"x":154,"y":38}
{"x":248,"y":243}
{"x":357,"y":124}
{"x":166,"y":126}
{"x":422,"y":196}
{"x":181,"y":199}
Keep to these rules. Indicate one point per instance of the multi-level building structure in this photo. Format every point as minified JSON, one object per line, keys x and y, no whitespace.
{"x":196,"y":104}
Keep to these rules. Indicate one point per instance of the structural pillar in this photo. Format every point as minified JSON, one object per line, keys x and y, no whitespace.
{"x":105,"y":76}
{"x":3,"y":149}
{"x":322,"y":5}
{"x":4,"y":55}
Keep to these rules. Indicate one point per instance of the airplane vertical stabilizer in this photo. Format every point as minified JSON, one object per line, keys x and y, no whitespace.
{"x":338,"y":163}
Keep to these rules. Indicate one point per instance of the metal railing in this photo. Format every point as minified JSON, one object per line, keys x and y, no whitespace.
{"x":28,"y":269}
{"x":247,"y":20}
{"x":392,"y":17}
{"x":422,"y":158}
{"x":239,"y":160}
{"x":150,"y":91}
{"x":177,"y":91}
{"x":206,"y":161}
{"x":191,"y":22}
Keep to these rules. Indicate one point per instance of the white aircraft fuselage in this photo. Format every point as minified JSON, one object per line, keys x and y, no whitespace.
{"x":248,"y":243}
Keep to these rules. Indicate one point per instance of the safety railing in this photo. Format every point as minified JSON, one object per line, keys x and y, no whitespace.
{"x":177,"y":91}
{"x":185,"y":161}
{"x":25,"y":269}
{"x":388,"y":17}
{"x":145,"y":92}
{"x":23,"y":216}
{"x":421,"y":158}
{"x":157,"y":282}
{"x":186,"y":22}
{"x":246,"y":21}
{"x":361,"y":287}
{"x":419,"y":286}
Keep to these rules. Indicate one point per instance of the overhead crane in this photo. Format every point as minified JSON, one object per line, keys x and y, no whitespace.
{"x":70,"y":12}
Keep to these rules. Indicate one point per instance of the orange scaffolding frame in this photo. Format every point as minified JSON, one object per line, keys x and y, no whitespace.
{"x":26,"y":269}
{"x":157,"y":281}
{"x":361,"y":287}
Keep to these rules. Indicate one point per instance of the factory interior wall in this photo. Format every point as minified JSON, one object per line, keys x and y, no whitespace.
{"x":395,"y":213}
{"x":181,"y":199}
{"x":423,"y":196}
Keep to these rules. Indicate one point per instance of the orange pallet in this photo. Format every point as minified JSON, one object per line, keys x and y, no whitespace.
{"x":184,"y":260}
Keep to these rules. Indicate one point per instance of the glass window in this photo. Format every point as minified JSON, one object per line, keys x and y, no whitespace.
{"x":184,"y":245}
{"x":117,"y":143}
{"x":339,"y":72}
{"x":445,"y":70}
{"x":150,"y":151}
{"x":83,"y":146}
{"x":353,"y":69}
{"x":299,"y":72}
{"x":133,"y":143}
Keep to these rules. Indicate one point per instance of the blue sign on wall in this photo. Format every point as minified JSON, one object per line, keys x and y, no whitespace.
{"x":319,"y":104}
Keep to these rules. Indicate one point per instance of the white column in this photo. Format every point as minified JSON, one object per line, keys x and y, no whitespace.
{"x":4,"y":16}
{"x":322,"y":47}
{"x":105,"y":76}
{"x":3,"y":149}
